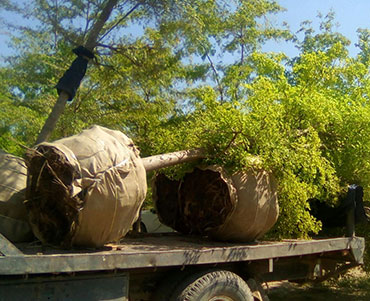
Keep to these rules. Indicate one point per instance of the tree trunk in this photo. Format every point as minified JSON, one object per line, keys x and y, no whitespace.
{"x":170,"y":159}
{"x":60,"y":104}
{"x":50,"y":123}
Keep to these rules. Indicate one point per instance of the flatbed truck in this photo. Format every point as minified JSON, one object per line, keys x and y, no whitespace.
{"x":169,"y":266}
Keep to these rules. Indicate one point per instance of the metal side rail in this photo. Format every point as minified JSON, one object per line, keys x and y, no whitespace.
{"x":167,"y":251}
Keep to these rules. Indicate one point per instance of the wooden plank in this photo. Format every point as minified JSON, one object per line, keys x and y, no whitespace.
{"x":171,"y":251}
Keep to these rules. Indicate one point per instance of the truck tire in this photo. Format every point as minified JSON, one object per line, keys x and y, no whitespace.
{"x":212,"y":285}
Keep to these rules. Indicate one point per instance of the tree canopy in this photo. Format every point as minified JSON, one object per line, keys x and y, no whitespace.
{"x":182,"y":74}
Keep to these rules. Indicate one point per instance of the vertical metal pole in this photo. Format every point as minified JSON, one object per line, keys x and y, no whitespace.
{"x":350,"y":222}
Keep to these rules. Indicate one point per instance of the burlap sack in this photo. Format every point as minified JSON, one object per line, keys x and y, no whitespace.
{"x":209,"y":202}
{"x":256,"y":209}
{"x":85,"y":190}
{"x":13,"y":215}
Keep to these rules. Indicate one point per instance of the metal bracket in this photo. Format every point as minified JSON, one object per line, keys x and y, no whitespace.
{"x":7,"y":248}
{"x":357,"y":247}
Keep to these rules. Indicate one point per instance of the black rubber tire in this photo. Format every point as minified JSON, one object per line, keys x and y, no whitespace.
{"x":212,"y":285}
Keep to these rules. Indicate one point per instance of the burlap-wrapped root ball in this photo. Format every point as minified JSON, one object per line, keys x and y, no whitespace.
{"x":85,"y":190}
{"x":13,"y":215}
{"x":241,"y":207}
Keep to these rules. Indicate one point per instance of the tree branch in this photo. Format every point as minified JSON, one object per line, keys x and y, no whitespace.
{"x":98,"y":25}
{"x":120,"y":20}
{"x":219,"y":85}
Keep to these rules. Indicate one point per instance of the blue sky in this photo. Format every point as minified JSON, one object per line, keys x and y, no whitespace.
{"x":350,"y":14}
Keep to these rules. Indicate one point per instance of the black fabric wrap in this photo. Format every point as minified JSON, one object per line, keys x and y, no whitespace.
{"x":71,"y":79}
{"x":336,"y":216}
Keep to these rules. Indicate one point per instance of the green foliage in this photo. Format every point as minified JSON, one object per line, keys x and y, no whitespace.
{"x":18,"y":126}
{"x":233,"y":132}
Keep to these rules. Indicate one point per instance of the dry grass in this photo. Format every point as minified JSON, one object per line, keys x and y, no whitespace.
{"x":355,"y":285}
